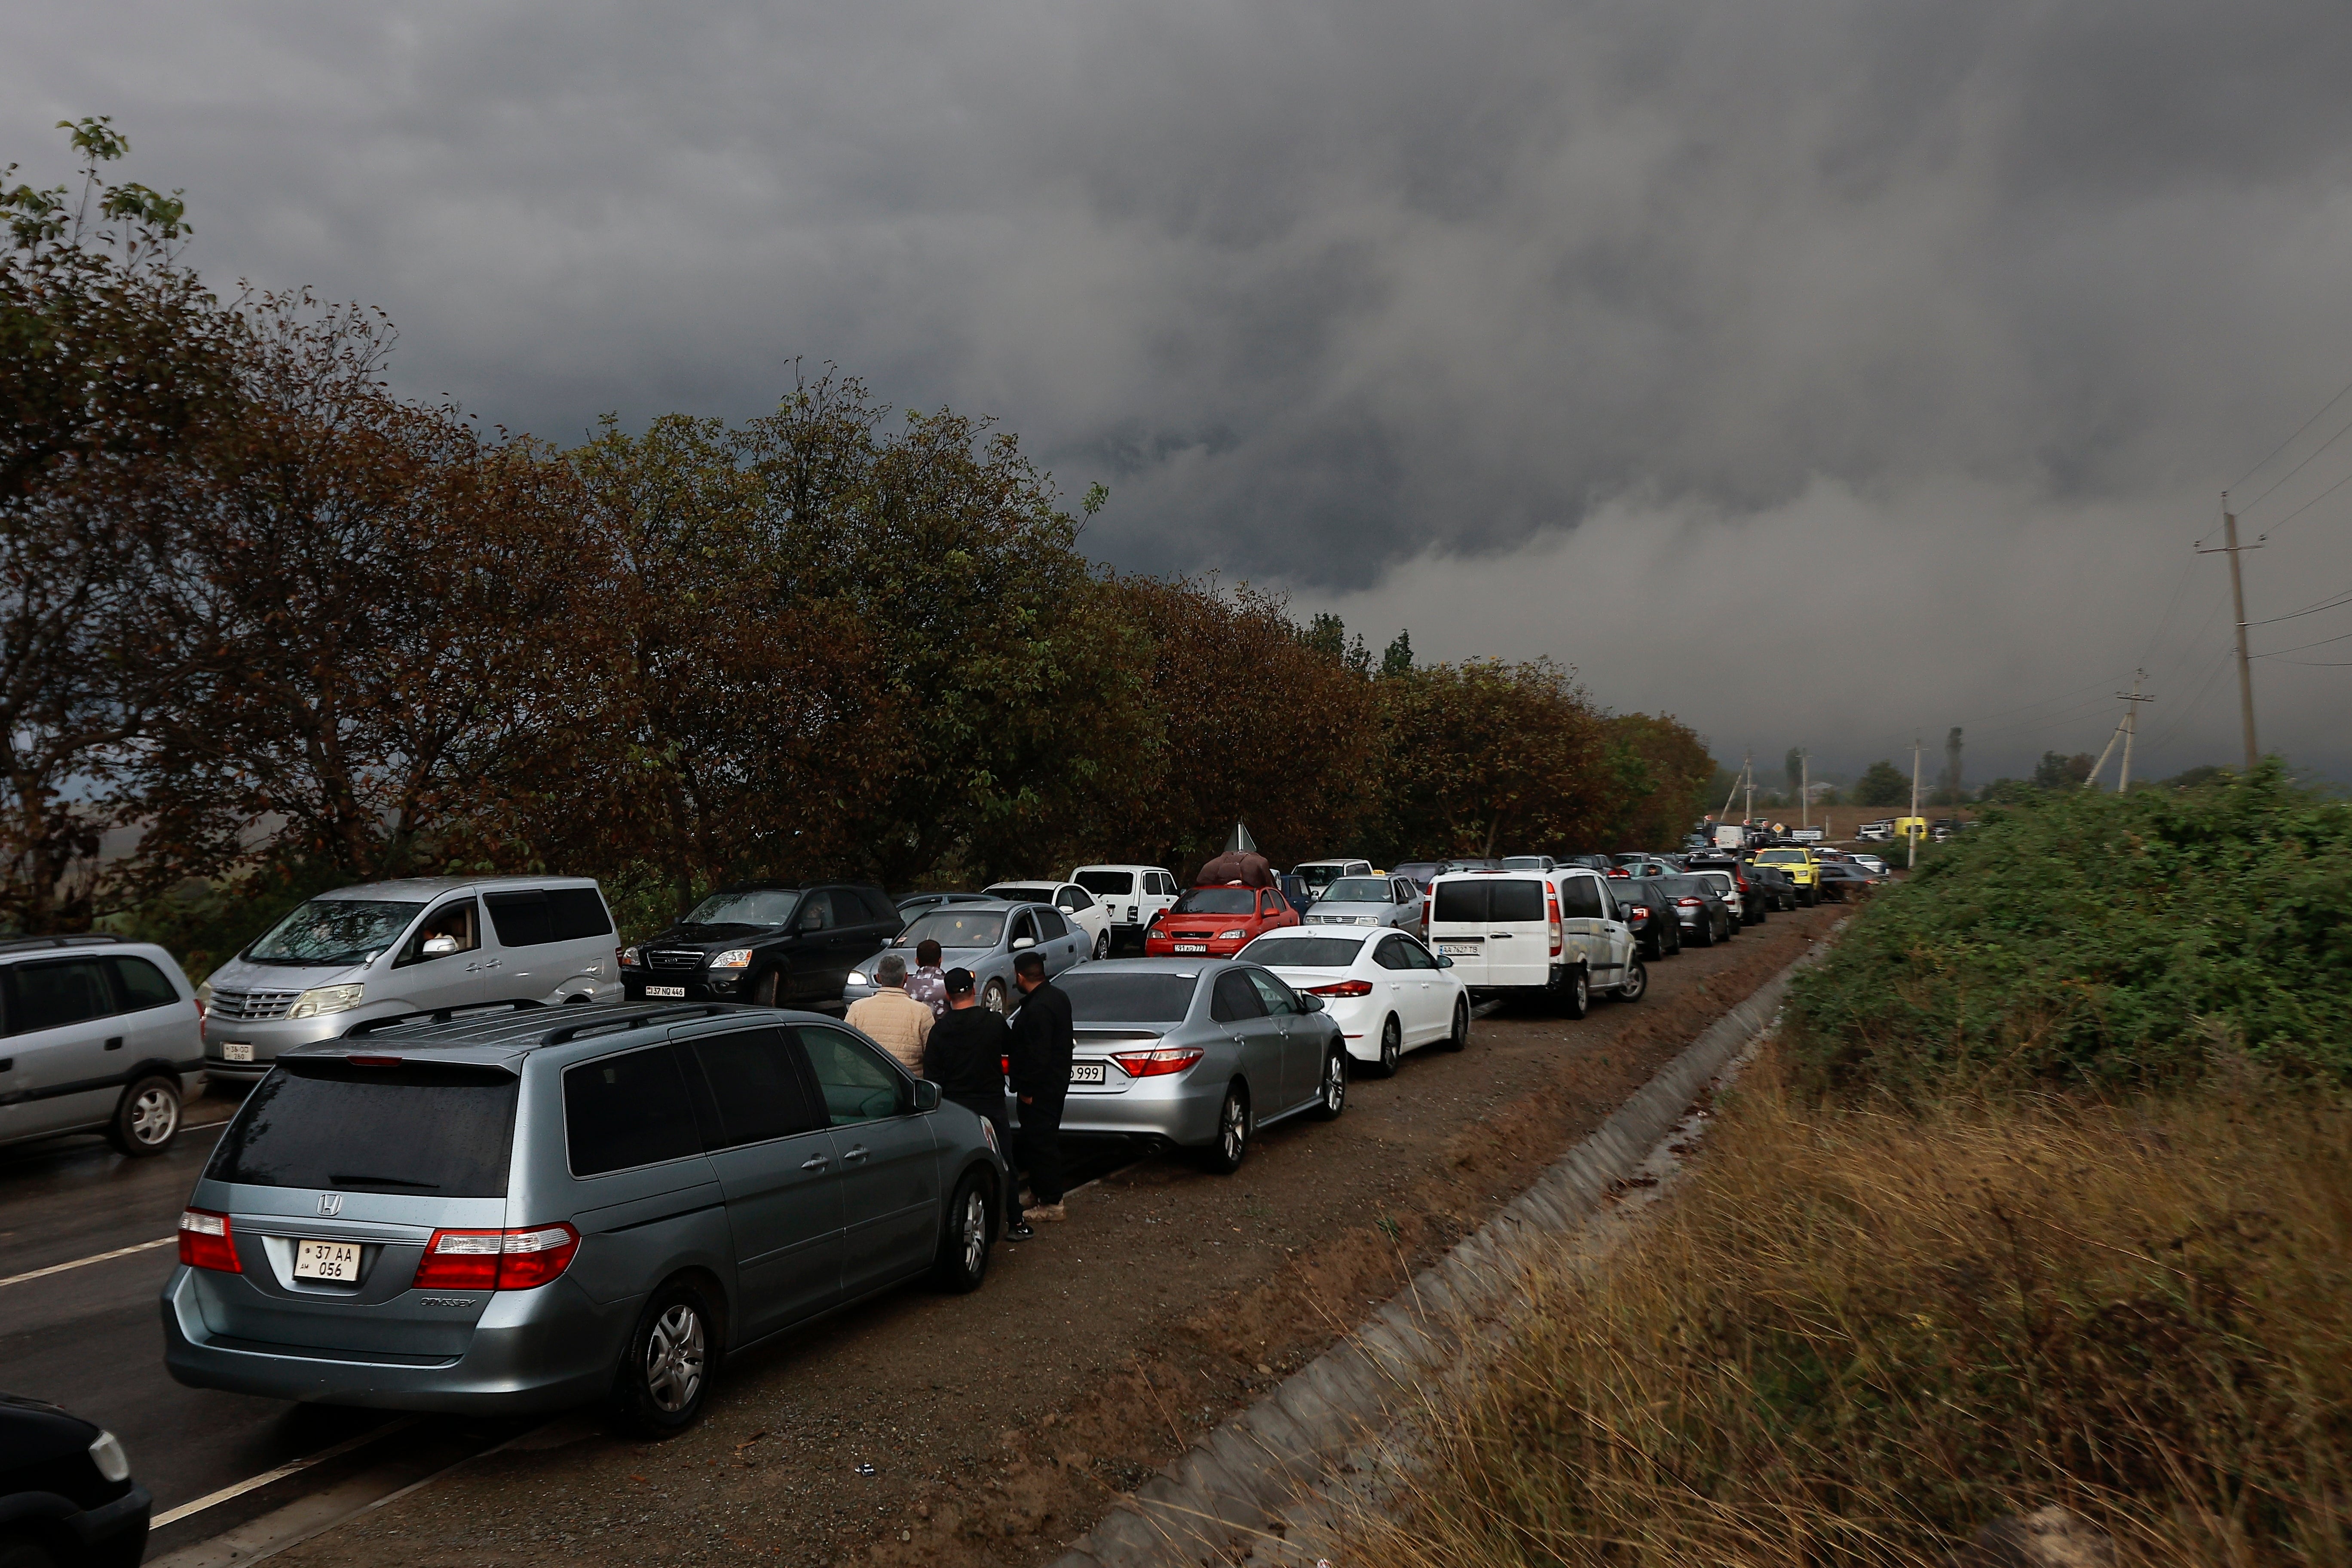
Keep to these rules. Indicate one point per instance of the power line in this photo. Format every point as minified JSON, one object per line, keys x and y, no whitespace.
{"x":2314,"y":501}
{"x":2298,"y":647}
{"x":2297,"y":469}
{"x":2337,"y":603}
{"x":2291,"y":440}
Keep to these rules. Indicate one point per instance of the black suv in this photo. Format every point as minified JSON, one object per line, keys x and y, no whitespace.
{"x":775,"y":943}
{"x":66,"y":1491}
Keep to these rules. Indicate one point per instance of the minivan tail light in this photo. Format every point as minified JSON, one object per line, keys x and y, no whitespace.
{"x":1342,"y":988}
{"x":205,"y":1241}
{"x":1552,"y":914}
{"x":495,"y":1259}
{"x":1159,"y":1062}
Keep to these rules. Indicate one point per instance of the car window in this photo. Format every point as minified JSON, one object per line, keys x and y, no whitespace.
{"x":857,"y":1084}
{"x":750,"y":907}
{"x":51,"y":995}
{"x":1579,"y":899}
{"x":626,"y":1111}
{"x":1074,"y":897}
{"x":755,"y":1078}
{"x":1269,"y":902}
{"x":141,"y":984}
{"x":1390,"y":954}
{"x":951,"y":928}
{"x":1461,"y":903}
{"x":1415,"y":956}
{"x":879,"y":910}
{"x":1516,"y":899}
{"x":1234,"y":998}
{"x":1215,"y":901}
{"x":1111,"y":884}
{"x":577,"y":914}
{"x":1280,"y":1002}
{"x":1100,"y":995}
{"x":1024,"y":927}
{"x":816,"y":911}
{"x":522,"y":920}
{"x":1052,"y":924}
{"x":424,"y":1128}
{"x":460,"y":920}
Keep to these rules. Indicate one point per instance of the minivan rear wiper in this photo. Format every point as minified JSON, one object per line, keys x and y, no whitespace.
{"x":343,"y":1179}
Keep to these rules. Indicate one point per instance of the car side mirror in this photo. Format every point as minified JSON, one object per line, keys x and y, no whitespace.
{"x":1443,"y":962}
{"x":440,"y":946}
{"x":1020,"y":942}
{"x":1312,"y":1003}
{"x":926,"y":1095}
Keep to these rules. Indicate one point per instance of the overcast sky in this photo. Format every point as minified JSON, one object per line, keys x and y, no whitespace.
{"x":1823,"y":371}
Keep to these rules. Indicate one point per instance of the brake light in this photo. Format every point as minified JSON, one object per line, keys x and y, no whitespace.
{"x":1641,"y":912}
{"x":1551,"y":912}
{"x":495,"y":1259}
{"x":205,"y":1241}
{"x":1690,"y":903}
{"x":1342,"y":988}
{"x":1159,"y":1062}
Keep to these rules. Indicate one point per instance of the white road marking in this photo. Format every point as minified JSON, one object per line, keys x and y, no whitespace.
{"x":171,"y":1516}
{"x":82,"y":1262}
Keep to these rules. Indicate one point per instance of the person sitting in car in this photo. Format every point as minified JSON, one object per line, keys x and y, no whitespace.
{"x":892,"y":1019}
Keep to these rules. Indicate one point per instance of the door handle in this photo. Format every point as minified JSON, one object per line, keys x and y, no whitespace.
{"x":115,"y":1044}
{"x":1498,"y":936}
{"x":854,"y":1156}
{"x":815,"y":1162}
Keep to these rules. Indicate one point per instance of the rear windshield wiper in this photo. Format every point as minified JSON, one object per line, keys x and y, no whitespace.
{"x":342,"y":1179}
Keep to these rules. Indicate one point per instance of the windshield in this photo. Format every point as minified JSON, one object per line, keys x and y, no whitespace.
{"x":1303,"y":952}
{"x":1217,"y":901}
{"x":334,"y":931}
{"x":1127,"y":997}
{"x":953,"y":927}
{"x":1318,"y":876}
{"x":1781,"y":857}
{"x":1100,"y":882}
{"x":761,"y":906}
{"x":1358,"y":890}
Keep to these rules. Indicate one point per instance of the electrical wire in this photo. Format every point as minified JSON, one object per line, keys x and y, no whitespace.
{"x":2291,"y":440}
{"x":2298,"y":647}
{"x":2306,"y":506}
{"x":2297,"y":469}
{"x":2337,"y":603}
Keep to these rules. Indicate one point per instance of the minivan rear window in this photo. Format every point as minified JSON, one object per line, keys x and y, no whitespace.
{"x":1461,"y":903}
{"x":1516,"y":900}
{"x":438,"y":1131}
{"x":1106,"y":882}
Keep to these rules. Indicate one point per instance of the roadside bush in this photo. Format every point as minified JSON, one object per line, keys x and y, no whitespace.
{"x":2104,"y":942}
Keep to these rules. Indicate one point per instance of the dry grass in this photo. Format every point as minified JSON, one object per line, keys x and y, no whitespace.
{"x":1854,"y":1338}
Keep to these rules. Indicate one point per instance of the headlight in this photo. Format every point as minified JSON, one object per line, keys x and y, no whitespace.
{"x":1232,"y":935}
{"x":327,"y":999}
{"x":631,"y":958}
{"x":857,"y":977}
{"x":205,"y":992}
{"x":733,"y":958}
{"x":106,"y":1453}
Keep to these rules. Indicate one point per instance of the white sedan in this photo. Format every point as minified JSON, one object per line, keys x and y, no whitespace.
{"x":1080,"y":907}
{"x":1387,"y":991}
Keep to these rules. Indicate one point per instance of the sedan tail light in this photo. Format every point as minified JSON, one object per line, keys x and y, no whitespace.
{"x":1159,"y":1062}
{"x":495,"y":1259}
{"x":205,"y":1241}
{"x":1342,"y":988}
{"x":1690,"y":903}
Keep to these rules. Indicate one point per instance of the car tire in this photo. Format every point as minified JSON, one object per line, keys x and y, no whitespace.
{"x":966,"y":1236}
{"x":1637,"y":982}
{"x":1391,"y":1049}
{"x":1224,"y":1156}
{"x":1705,"y":935}
{"x":667,"y":1365}
{"x":1460,"y":1035}
{"x":1331,"y":1098}
{"x":770,"y":990}
{"x":992,"y":996}
{"x":1102,"y":946}
{"x":146,"y":1119}
{"x":1576,"y":994}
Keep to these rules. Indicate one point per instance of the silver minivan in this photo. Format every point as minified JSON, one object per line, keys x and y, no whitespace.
{"x":387,"y":948}
{"x":524,"y":1208}
{"x":96,"y":1035}
{"x":1556,"y":936}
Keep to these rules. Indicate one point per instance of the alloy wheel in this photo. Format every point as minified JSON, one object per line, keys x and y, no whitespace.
{"x":1335,"y":1083}
{"x":1233,"y":1129}
{"x":992,"y":998}
{"x":155,"y":1116}
{"x":1391,"y":1047}
{"x":975,"y":1231}
{"x":674,"y":1358}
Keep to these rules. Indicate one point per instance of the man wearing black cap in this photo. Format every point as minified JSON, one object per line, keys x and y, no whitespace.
{"x":1042,"y":1044}
{"x":965,"y":1056}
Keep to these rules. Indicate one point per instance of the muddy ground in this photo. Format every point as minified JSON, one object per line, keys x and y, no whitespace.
{"x":993,"y":1429}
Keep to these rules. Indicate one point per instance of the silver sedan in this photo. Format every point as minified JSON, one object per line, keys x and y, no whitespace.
{"x":1199,"y":1053}
{"x":1369,"y":902}
{"x":983,"y":936}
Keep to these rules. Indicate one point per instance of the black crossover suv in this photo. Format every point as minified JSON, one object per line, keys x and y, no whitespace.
{"x":772,"y":944}
{"x":66,"y":1492}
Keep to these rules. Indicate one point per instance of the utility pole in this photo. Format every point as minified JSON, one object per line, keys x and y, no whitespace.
{"x":1913,"y":835}
{"x":1748,"y":771}
{"x":2131,"y":726}
{"x":1805,"y":788}
{"x":2231,"y":547}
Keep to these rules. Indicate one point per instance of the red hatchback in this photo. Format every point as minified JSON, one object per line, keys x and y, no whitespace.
{"x":1217,"y":922}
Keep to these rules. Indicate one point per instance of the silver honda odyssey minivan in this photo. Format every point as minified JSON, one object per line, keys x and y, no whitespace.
{"x":525,"y":1208}
{"x":392,"y":948}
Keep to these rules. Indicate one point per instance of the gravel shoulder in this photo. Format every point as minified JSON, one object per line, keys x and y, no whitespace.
{"x":993,"y":1429}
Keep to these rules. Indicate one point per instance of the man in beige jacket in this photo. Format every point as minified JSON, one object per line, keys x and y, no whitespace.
{"x":892,"y":1019}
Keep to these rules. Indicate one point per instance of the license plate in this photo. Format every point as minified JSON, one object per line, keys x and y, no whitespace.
{"x":336,"y":1261}
{"x":676,"y":991}
{"x":1458,"y":949}
{"x":1087,"y":1072}
{"x":1191,"y":947}
{"x":235,"y":1051}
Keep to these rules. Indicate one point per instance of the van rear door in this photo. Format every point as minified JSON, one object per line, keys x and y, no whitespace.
{"x":1497,"y":930}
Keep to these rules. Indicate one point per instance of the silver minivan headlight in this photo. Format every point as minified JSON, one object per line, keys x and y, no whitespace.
{"x":326,"y":999}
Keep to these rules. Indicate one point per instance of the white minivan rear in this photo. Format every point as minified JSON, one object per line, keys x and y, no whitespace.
{"x":1502,"y":929}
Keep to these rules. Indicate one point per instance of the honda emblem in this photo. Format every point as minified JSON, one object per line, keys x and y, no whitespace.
{"x":331,"y":1204}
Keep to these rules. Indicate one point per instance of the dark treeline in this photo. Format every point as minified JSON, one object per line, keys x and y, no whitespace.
{"x":269,"y":627}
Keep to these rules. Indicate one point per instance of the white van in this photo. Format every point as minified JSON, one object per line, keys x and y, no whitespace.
{"x":1135,"y":896}
{"x":1557,"y":935}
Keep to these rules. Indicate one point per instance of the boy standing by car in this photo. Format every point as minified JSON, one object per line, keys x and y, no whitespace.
{"x":965,"y":1056}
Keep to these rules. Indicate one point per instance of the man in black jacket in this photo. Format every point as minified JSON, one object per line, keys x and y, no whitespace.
{"x":965,"y":1056}
{"x":1042,"y":1044}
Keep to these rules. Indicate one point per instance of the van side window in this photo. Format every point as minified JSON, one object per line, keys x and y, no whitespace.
{"x":1579,"y":899}
{"x":623,"y":1112}
{"x":141,"y":984}
{"x":51,"y":995}
{"x":521,"y":919}
{"x":755,"y":1078}
{"x":1235,"y":999}
{"x":459,"y":920}
{"x":577,"y":913}
{"x":857,"y":1085}
{"x":1518,"y":900}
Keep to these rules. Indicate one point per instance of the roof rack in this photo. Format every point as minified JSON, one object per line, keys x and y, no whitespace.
{"x":30,"y":943}
{"x":436,"y":1015}
{"x":635,"y":1021}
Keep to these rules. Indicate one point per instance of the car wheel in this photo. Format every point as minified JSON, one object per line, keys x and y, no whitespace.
{"x":1460,"y":1037}
{"x":1637,"y":982}
{"x":1224,"y":1156}
{"x":23,"y":1552}
{"x":1102,"y":946}
{"x":992,"y":996}
{"x":147,"y":1118}
{"x":771,"y":991}
{"x":1705,"y":935}
{"x":665,"y":1369}
{"x":1391,"y":1049}
{"x":1333,"y":1098}
{"x":1576,"y":996}
{"x":970,"y":1232}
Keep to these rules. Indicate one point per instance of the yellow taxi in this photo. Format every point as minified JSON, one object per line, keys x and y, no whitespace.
{"x":1798,"y":865}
